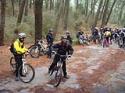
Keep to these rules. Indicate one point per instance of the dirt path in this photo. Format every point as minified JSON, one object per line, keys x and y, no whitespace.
{"x":92,"y":69}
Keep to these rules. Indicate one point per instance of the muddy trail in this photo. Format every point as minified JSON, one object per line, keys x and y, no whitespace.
{"x":92,"y":69}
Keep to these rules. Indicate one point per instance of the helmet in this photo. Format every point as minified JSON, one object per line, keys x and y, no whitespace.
{"x":50,"y":30}
{"x":22,"y":35}
{"x":63,"y":37}
{"x":67,"y":32}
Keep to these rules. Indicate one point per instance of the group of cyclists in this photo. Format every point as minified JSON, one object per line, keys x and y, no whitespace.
{"x":103,"y":36}
{"x":64,"y":47}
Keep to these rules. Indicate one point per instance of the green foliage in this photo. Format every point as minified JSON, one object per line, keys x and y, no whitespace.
{"x":48,"y":22}
{"x":10,"y":27}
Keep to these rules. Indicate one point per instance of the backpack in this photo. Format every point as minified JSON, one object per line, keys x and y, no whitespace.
{"x":12,"y":49}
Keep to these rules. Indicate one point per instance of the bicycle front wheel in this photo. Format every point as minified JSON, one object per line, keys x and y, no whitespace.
{"x":13,"y":64}
{"x":26,"y":73}
{"x":58,"y":77}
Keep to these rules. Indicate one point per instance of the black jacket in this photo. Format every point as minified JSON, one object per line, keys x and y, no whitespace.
{"x":63,"y":49}
{"x":69,"y":39}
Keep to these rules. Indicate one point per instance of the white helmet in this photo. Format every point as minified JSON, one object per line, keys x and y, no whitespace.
{"x":22,"y":35}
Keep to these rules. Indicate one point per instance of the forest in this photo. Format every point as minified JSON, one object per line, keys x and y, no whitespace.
{"x":35,"y":17}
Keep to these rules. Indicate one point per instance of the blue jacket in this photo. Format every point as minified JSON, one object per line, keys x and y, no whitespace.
{"x":49,"y":38}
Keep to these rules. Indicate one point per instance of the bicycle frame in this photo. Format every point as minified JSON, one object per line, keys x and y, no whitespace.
{"x":24,"y":68}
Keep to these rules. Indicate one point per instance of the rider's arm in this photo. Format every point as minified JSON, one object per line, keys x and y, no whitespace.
{"x":70,"y":50}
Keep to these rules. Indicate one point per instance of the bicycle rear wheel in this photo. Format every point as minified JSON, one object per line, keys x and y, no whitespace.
{"x":26,"y":73}
{"x":35,"y":51}
{"x":58,"y":77}
{"x":13,"y":64}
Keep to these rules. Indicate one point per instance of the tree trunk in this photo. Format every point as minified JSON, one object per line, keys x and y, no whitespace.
{"x":86,"y":7}
{"x":121,"y":12}
{"x":21,"y":10}
{"x":12,"y":1}
{"x":38,"y":19}
{"x":51,"y":5}
{"x":77,"y":4}
{"x":110,"y":12}
{"x":30,"y":4}
{"x":67,"y":4}
{"x":105,"y":13}
{"x":46,"y":4}
{"x":57,"y":5}
{"x":2,"y":21}
{"x":20,"y":2}
{"x":97,"y":14}
{"x":58,"y":17}
{"x":102,"y":9}
{"x":26,"y":8}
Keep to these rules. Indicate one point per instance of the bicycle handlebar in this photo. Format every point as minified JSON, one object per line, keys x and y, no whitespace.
{"x":67,"y":56}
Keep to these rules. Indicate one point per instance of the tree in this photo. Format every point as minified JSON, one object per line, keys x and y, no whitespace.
{"x":67,"y":4}
{"x":110,"y":11}
{"x":105,"y":13}
{"x":97,"y":13}
{"x":21,"y":10}
{"x":58,"y":16}
{"x":2,"y":21}
{"x":26,"y":8}
{"x":13,"y":7}
{"x":38,"y":19}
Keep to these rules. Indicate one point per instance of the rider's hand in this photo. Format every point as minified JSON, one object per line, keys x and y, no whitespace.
{"x":27,"y":53}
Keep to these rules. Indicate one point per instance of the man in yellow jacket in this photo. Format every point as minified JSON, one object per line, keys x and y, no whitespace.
{"x":20,"y":50}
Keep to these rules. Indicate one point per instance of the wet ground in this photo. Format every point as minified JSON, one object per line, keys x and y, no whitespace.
{"x":92,"y":69}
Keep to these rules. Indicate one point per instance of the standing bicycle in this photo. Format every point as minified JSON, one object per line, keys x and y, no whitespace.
{"x":26,"y":72}
{"x":38,"y":49}
{"x":62,"y":49}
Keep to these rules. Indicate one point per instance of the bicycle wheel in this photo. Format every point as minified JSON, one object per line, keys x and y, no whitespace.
{"x":27,"y":74}
{"x":13,"y":64}
{"x":34,"y":51}
{"x":58,"y":77}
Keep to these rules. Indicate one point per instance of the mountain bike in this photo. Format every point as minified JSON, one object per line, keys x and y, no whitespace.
{"x":27,"y":70}
{"x":38,"y":49}
{"x":58,"y":71}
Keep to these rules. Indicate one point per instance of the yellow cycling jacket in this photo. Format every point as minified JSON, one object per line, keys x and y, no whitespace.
{"x":18,"y":47}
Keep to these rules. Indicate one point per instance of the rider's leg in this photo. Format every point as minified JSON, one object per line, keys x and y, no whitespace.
{"x":54,"y":63}
{"x":64,"y":69}
{"x":107,"y":41}
{"x":50,"y":50}
{"x":18,"y":59}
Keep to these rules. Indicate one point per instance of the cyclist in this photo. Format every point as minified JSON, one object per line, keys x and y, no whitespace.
{"x":69,"y":38}
{"x":19,"y":49}
{"x":95,"y":35}
{"x":107,"y":35}
{"x":82,"y":39}
{"x":62,"y":49}
{"x":122,"y":35}
{"x":78,"y":34}
{"x":50,"y":39}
